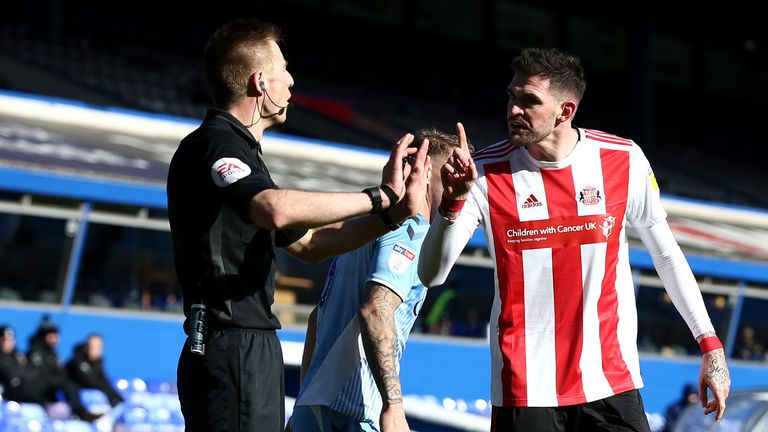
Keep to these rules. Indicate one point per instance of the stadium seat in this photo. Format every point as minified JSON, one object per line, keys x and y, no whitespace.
{"x":95,"y":401}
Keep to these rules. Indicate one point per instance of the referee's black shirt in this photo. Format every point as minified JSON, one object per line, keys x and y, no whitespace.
{"x":221,"y":256}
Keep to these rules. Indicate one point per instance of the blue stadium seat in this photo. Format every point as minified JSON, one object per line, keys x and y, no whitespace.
{"x":25,"y":417}
{"x":74,"y":426}
{"x":95,"y":401}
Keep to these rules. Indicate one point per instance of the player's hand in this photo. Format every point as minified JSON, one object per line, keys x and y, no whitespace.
{"x":415,"y":184}
{"x":395,"y":172}
{"x":715,"y":376}
{"x":392,"y":419}
{"x":459,"y":172}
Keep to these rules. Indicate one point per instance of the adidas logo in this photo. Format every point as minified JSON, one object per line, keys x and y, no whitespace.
{"x":531,"y":202}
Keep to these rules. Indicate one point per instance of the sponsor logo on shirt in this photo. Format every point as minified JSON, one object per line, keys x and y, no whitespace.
{"x":400,"y":258}
{"x":559,"y":232}
{"x":607,"y":225}
{"x":531,"y":202}
{"x":226,"y":171}
{"x":589,"y":195}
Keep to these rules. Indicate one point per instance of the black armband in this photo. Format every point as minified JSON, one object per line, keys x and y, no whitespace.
{"x":392,"y":195}
{"x":375,"y":195}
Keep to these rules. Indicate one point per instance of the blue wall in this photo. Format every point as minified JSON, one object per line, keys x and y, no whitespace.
{"x":147,"y":346}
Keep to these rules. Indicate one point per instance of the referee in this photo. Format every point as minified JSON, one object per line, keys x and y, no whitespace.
{"x":227,"y":217}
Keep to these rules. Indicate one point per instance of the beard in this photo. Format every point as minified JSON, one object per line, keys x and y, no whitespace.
{"x":523,"y":135}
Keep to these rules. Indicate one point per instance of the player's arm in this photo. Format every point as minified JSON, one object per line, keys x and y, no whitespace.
{"x":337,"y":238}
{"x":334,"y":239}
{"x":450,"y":231}
{"x":678,"y":280}
{"x":280,"y":209}
{"x":379,"y":335}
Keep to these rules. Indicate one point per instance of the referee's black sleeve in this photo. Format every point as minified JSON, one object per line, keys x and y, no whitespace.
{"x":238,"y":174}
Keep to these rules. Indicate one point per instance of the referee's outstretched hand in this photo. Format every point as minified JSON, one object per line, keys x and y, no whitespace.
{"x":715,"y":376}
{"x":409,"y":165}
{"x":394,"y":173}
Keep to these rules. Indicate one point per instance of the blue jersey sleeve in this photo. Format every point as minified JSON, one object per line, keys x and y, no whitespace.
{"x":396,"y":257}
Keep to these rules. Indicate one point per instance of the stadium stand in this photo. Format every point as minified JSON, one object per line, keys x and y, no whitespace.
{"x":157,"y":69}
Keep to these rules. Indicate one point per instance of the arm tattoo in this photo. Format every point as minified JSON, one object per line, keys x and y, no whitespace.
{"x":717,"y":369}
{"x":377,"y":327}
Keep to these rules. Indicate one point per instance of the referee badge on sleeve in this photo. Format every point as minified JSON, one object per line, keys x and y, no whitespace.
{"x":400,"y":258}
{"x":226,"y":171}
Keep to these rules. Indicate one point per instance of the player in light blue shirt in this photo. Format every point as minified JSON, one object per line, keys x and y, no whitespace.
{"x":357,"y":332}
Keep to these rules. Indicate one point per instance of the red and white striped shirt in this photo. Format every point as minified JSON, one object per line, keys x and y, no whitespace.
{"x":565,"y":304}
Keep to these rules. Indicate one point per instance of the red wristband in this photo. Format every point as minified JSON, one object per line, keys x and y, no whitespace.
{"x":448,"y":206}
{"x":710,"y":343}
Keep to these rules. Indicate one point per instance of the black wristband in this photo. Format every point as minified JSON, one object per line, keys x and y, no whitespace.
{"x":375,"y":195}
{"x":392,"y":195}
{"x":392,"y":225}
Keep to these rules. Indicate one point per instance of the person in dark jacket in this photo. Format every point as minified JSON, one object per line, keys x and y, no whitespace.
{"x":19,"y":381}
{"x":43,"y":357}
{"x":45,"y":361}
{"x":86,"y":368}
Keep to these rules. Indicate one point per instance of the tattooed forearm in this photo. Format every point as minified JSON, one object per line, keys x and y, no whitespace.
{"x":716,"y":368}
{"x":377,"y":327}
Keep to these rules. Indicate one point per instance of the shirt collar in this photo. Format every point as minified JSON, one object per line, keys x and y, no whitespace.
{"x":239,"y":127}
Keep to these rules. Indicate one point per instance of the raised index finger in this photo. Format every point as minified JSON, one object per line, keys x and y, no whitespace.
{"x":462,"y":137}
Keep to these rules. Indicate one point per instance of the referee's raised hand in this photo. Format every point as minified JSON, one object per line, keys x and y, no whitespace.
{"x":408,"y":165}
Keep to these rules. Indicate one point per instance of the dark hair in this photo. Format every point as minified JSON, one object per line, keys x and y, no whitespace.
{"x":6,"y":331}
{"x":564,"y":70}
{"x":234,"y":50}
{"x":47,"y":325}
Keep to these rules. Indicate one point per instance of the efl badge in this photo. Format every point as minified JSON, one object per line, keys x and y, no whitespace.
{"x":589,"y":195}
{"x":400,"y":258}
{"x":226,"y":171}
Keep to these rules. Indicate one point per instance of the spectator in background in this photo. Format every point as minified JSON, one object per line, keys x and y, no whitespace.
{"x":42,"y":355}
{"x":86,"y":369}
{"x":748,"y":347}
{"x":47,"y":364}
{"x":19,"y":381}
{"x":689,"y":397}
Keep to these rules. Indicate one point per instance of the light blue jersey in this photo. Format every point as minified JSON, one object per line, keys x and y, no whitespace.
{"x":339,"y":376}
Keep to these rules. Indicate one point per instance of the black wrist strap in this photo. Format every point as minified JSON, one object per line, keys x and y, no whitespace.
{"x":375,"y":195}
{"x":392,"y":195}
{"x":392,"y":225}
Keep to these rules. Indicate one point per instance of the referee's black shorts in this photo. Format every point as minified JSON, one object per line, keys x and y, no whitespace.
{"x":238,"y":385}
{"x":623,"y":412}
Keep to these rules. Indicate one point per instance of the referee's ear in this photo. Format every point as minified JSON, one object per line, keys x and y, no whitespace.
{"x":257,"y":84}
